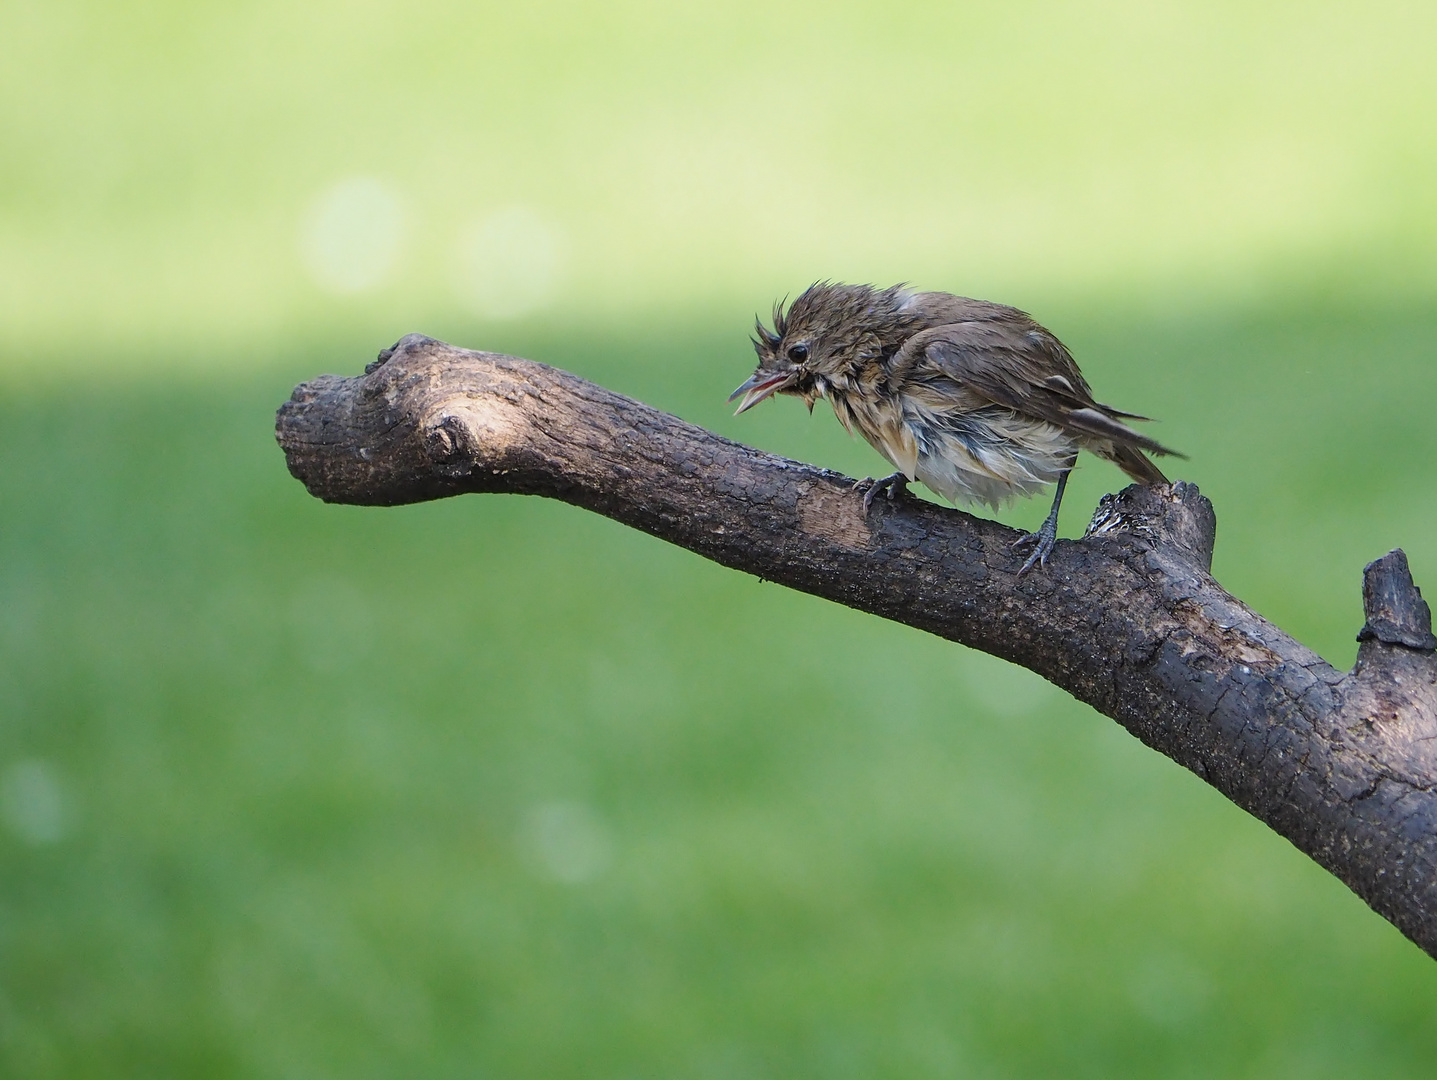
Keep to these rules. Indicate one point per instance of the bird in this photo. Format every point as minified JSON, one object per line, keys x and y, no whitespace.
{"x":974,"y":399}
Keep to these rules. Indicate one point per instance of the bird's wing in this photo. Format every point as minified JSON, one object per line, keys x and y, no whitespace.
{"x":1018,"y":365}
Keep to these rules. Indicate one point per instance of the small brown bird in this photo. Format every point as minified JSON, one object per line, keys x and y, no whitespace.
{"x":975,"y":399}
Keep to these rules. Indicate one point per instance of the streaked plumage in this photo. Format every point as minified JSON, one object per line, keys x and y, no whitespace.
{"x":973,"y":398}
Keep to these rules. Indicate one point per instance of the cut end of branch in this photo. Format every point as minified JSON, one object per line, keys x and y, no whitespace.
{"x":424,"y":421}
{"x":1396,"y":613}
{"x":1177,"y":516}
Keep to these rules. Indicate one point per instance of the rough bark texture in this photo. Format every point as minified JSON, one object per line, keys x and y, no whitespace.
{"x":1127,"y":619}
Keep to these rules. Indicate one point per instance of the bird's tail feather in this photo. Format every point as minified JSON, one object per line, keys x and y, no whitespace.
{"x":1136,"y":464}
{"x":1099,"y":425}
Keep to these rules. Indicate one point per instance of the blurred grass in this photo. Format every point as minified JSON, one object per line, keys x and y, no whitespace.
{"x":497,"y":788}
{"x":301,"y":750}
{"x":163,"y":159}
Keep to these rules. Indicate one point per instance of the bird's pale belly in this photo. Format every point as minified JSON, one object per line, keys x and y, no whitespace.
{"x":988,"y":455}
{"x":993,"y":458}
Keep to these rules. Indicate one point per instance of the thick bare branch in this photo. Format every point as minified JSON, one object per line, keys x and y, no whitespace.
{"x":1127,"y":619}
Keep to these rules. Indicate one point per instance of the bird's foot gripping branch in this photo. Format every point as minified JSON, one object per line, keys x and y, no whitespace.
{"x":1128,"y":619}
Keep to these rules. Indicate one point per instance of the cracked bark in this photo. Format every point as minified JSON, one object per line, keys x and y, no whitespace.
{"x":1128,"y":619}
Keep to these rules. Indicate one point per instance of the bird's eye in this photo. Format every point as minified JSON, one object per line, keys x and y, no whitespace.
{"x":798,"y":353}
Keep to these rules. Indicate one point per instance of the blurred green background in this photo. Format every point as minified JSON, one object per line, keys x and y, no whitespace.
{"x":496,"y":788}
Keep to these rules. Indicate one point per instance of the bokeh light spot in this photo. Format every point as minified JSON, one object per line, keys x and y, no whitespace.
{"x":33,"y":803}
{"x":566,"y":841}
{"x":352,"y":235}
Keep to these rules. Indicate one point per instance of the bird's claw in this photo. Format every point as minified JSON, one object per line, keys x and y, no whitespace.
{"x":1043,"y":542}
{"x":894,"y":485}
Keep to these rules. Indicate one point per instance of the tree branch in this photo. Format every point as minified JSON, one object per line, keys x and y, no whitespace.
{"x":1127,"y":619}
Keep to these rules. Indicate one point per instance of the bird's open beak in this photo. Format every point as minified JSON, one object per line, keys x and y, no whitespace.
{"x":759,"y":387}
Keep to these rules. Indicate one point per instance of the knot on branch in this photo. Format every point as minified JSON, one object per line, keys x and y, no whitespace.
{"x":1177,"y":516}
{"x":1396,"y":613}
{"x":452,"y":445}
{"x":426,"y":420}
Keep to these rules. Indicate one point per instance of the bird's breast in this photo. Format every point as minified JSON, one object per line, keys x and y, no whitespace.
{"x":879,"y":419}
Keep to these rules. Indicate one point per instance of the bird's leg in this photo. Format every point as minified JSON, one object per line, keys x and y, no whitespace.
{"x":1047,"y":535}
{"x":894,"y":485}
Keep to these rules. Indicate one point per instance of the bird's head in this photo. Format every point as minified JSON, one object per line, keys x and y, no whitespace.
{"x":824,"y":339}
